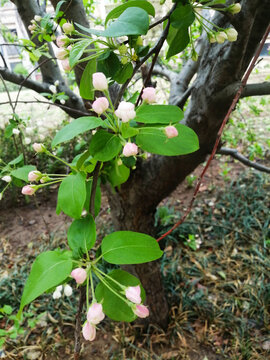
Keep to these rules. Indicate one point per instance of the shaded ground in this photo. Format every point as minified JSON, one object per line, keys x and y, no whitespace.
{"x":218,"y":294}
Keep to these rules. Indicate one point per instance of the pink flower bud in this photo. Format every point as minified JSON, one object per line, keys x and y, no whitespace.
{"x":100,"y":81}
{"x":130,"y":149}
{"x":34,"y":175}
{"x":61,"y":53}
{"x":133,"y":293}
{"x":171,"y":131}
{"x":79,"y":275}
{"x":68,"y":28}
{"x":95,"y":314}
{"x":141,"y":311}
{"x":89,"y":331}
{"x":125,"y":111}
{"x":149,"y":95}
{"x":28,"y":190}
{"x":65,"y":65}
{"x":61,"y":41}
{"x":100,"y":105}
{"x":39,"y":148}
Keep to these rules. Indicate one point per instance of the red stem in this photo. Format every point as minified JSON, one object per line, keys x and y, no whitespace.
{"x":235,"y":100}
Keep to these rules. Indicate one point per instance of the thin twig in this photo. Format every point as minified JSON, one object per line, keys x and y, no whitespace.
{"x":244,"y":160}
{"x":94,"y":189}
{"x":234,"y":102}
{"x":27,"y":77}
{"x":48,"y":103}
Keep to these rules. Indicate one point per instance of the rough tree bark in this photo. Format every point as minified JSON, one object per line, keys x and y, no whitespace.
{"x":219,"y":72}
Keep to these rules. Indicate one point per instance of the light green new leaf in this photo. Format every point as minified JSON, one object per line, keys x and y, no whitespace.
{"x":49,"y":269}
{"x":72,"y":195}
{"x":75,"y":128}
{"x":159,"y":114}
{"x":115,"y":308}
{"x":82,"y":235}
{"x":116,"y":12}
{"x":22,"y":173}
{"x":154,"y":140}
{"x":104,"y":146}
{"x":77,"y":51}
{"x":128,"y":247}
{"x":118,"y":174}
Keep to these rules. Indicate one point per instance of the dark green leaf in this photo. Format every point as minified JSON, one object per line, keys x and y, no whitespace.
{"x":124,"y":73}
{"x":76,"y":127}
{"x":109,"y":65}
{"x":115,"y":308}
{"x":50,"y":269}
{"x":105,"y":146}
{"x":72,"y":195}
{"x":82,"y":235}
{"x":133,"y":21}
{"x":116,"y":12}
{"x":128,"y":247}
{"x":118,"y":174}
{"x":160,"y":114}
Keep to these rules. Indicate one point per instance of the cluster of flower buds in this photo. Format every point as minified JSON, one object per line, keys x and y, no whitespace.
{"x":95,"y":315}
{"x":229,"y":34}
{"x":133,"y":294}
{"x":67,"y":291}
{"x":34,"y":26}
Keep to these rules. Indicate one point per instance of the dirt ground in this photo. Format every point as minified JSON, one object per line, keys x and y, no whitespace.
{"x":22,"y":227}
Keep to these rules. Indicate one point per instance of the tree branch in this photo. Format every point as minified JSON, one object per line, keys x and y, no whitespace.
{"x":74,"y":105}
{"x":259,"y":89}
{"x":236,"y":155}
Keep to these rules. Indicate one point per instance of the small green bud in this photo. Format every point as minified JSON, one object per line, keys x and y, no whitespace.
{"x":124,"y":60}
{"x":122,"y":49}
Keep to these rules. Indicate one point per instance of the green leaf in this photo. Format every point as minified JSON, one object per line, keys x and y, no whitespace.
{"x":76,"y":127}
{"x":128,"y":247}
{"x":104,"y":146}
{"x":82,"y":235}
{"x":77,"y":51}
{"x":49,"y":269}
{"x":86,"y":85}
{"x":183,"y":16}
{"x":178,"y":37}
{"x":159,"y":114}
{"x":17,"y":160}
{"x":22,"y":173}
{"x":155,"y":141}
{"x":72,"y":195}
{"x":133,"y":21}
{"x":124,"y":73}
{"x":115,"y":308}
{"x":128,"y":131}
{"x":109,"y":65}
{"x":179,"y":41}
{"x":118,"y":174}
{"x":116,"y":12}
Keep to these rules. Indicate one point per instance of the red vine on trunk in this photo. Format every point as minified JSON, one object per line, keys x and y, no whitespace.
{"x":234,"y":102}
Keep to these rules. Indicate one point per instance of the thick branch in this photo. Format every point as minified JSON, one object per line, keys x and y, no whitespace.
{"x":74,"y":105}
{"x":259,"y":89}
{"x":236,"y":155}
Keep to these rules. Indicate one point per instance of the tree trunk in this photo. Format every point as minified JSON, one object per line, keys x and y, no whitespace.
{"x":127,"y":217}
